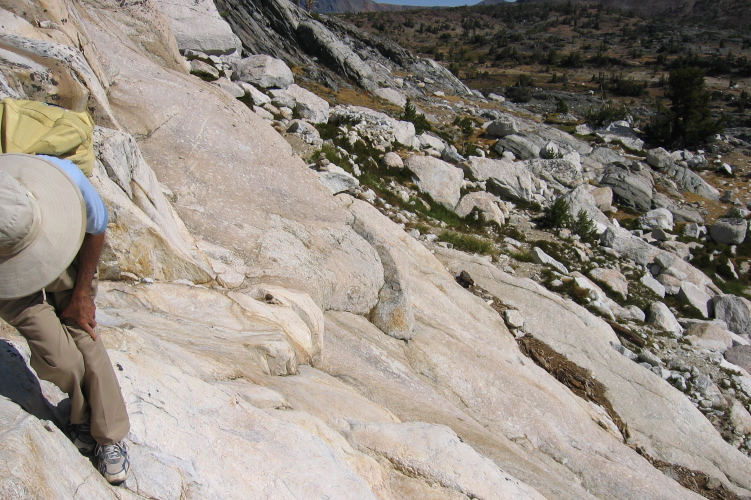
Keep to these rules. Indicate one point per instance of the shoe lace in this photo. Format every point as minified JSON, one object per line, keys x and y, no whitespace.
{"x":112,"y":452}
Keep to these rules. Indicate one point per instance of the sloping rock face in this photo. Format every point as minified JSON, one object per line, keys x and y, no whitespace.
{"x":198,"y":26}
{"x":278,"y":28}
{"x":322,"y":349}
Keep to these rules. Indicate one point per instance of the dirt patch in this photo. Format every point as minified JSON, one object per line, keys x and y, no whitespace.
{"x":698,"y":482}
{"x":573,"y":376}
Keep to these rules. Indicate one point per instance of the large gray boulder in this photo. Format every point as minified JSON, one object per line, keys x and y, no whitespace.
{"x":690,"y":181}
{"x":503,"y":126}
{"x":391,"y":95}
{"x":263,"y":71}
{"x":729,"y":231}
{"x":735,"y":311}
{"x":697,"y":298}
{"x":565,"y":171}
{"x":522,"y":147}
{"x":659,"y":218}
{"x":490,"y":208}
{"x":659,"y":158}
{"x":197,"y":25}
{"x":393,"y":314}
{"x":507,"y":179}
{"x":740,"y":355}
{"x":661,"y":316}
{"x":307,"y":105}
{"x":441,"y":180}
{"x":628,"y":245}
{"x":633,"y":189}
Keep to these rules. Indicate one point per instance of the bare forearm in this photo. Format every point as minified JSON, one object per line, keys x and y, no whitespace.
{"x":88,"y":260}
{"x":81,"y":307}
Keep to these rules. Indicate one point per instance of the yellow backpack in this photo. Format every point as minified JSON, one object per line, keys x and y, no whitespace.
{"x":37,"y":128}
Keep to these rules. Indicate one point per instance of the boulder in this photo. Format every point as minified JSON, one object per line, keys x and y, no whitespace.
{"x":688,"y":180}
{"x":710,"y":335}
{"x":429,"y":141}
{"x":661,"y":316}
{"x":449,"y":153}
{"x":659,"y":158}
{"x":338,"y":180}
{"x":392,"y":160}
{"x":393,"y":314}
{"x":306,"y":131}
{"x":611,"y":279}
{"x":263,"y":71}
{"x":232,"y":89}
{"x":564,"y":171}
{"x":628,"y":245}
{"x":256,"y":97}
{"x":404,"y":133}
{"x":654,"y":285}
{"x":437,"y":178}
{"x":379,"y":128}
{"x":391,"y":95}
{"x":633,"y":189}
{"x":740,"y":355}
{"x":580,"y":199}
{"x":621,"y":132}
{"x":505,"y":178}
{"x":694,"y":230}
{"x":488,"y":205}
{"x":503,"y":126}
{"x":603,"y":197}
{"x":729,"y":231}
{"x":197,"y":25}
{"x":697,"y":298}
{"x":307,"y":105}
{"x":203,"y":70}
{"x":735,"y":311}
{"x":542,"y":258}
{"x":660,"y":218}
{"x":522,"y":147}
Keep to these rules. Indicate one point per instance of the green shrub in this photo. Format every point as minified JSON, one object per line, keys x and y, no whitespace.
{"x":557,"y":215}
{"x":584,"y":226}
{"x":410,"y":114}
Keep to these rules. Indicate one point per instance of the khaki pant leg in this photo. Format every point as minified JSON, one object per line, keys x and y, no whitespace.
{"x":109,"y":417}
{"x":54,"y":355}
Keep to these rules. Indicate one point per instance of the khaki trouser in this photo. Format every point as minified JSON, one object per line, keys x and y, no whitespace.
{"x":64,"y":354}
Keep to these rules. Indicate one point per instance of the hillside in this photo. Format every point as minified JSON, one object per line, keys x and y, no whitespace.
{"x":588,"y":58}
{"x":334,"y":271}
{"x":735,"y":13}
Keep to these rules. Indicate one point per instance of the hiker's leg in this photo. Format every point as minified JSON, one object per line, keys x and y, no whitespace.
{"x":54,"y":354}
{"x":109,"y":417}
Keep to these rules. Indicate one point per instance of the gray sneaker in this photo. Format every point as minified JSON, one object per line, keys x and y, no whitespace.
{"x":80,"y":434}
{"x":113,"y":463}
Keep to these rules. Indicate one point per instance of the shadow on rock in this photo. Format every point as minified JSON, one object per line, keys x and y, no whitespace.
{"x":20,"y":385}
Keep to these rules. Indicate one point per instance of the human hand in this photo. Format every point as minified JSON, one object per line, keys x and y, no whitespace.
{"x":82,"y":310}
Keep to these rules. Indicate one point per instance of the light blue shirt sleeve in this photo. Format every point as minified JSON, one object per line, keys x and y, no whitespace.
{"x":96,"y":211}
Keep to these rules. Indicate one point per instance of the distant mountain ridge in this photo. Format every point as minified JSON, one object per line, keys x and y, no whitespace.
{"x":336,"y":6}
{"x":725,"y":12}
